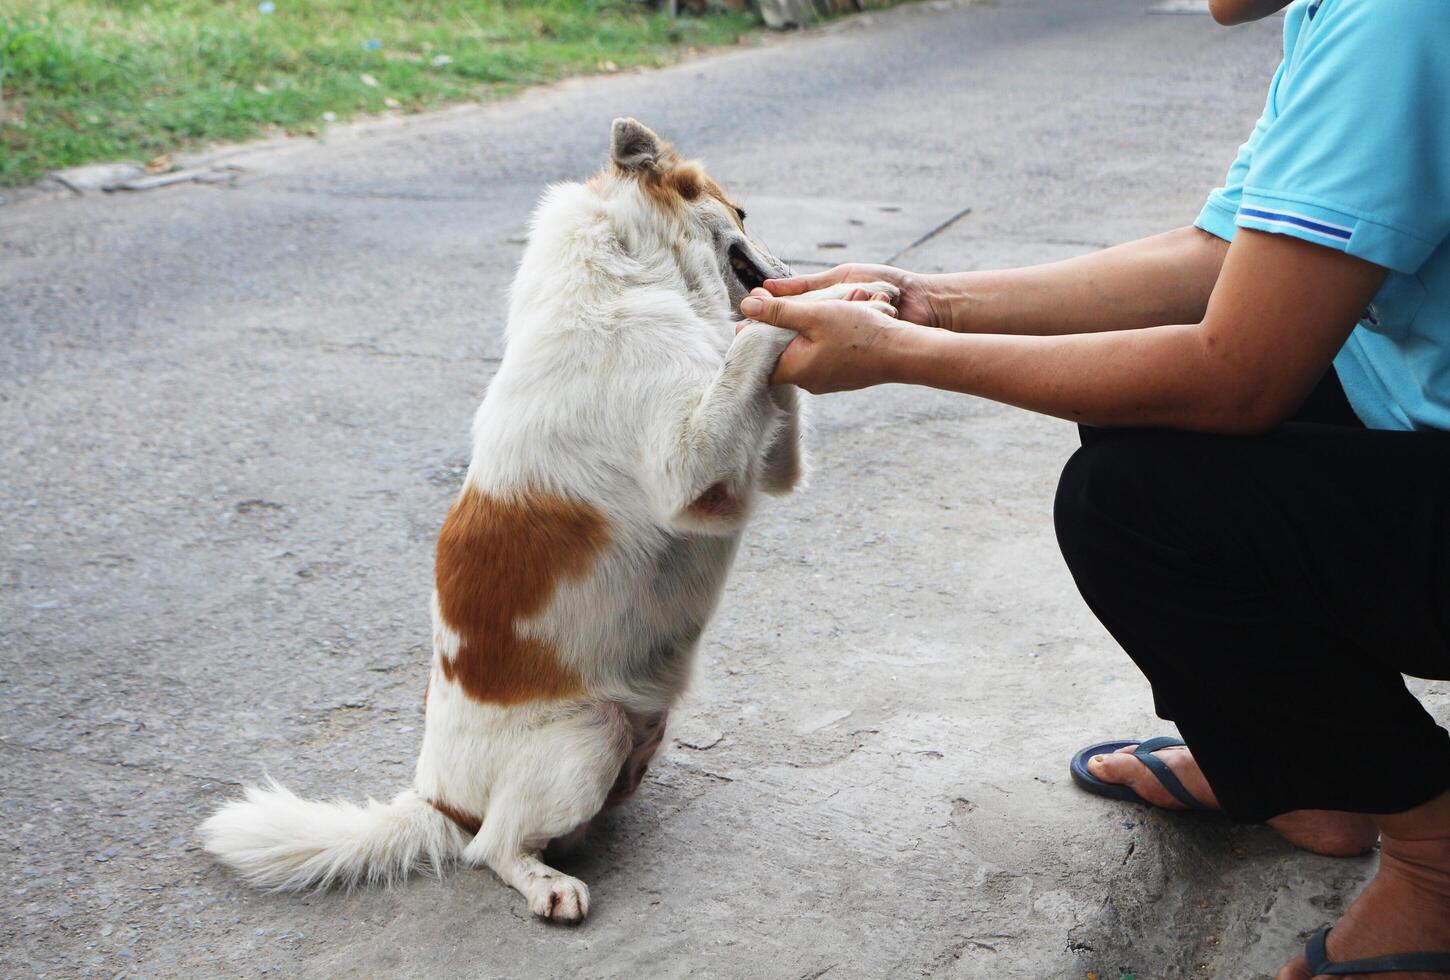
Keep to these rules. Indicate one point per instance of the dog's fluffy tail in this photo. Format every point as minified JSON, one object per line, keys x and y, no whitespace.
{"x":277,"y":840}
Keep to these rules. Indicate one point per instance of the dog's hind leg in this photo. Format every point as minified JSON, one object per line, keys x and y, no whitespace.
{"x":558,"y":783}
{"x":551,"y":894}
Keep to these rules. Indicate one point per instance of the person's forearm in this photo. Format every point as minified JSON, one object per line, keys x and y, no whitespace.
{"x":1163,"y":376}
{"x":1280,"y":310}
{"x":1153,"y":281}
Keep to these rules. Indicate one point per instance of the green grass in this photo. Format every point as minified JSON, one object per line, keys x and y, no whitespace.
{"x":86,"y":80}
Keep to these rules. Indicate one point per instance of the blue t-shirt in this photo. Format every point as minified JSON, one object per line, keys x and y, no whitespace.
{"x":1353,"y":152}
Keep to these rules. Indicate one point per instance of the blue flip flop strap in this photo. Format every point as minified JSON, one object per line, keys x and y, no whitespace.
{"x":1165,"y":775}
{"x":1317,"y":953}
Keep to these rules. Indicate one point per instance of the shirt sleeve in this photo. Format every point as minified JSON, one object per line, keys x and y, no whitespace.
{"x":1357,"y":156}
{"x":1222,"y":206}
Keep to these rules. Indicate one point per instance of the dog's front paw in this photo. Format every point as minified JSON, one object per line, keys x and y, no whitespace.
{"x":558,"y":898}
{"x":861,"y":290}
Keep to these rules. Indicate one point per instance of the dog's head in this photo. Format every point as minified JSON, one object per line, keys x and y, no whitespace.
{"x":696,"y":208}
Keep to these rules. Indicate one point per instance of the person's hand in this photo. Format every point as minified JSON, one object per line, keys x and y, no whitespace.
{"x":843,"y":345}
{"x":915,"y":302}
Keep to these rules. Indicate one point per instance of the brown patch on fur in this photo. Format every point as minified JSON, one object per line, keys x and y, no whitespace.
{"x":687,"y":181}
{"x":499,"y":561}
{"x":671,"y":181}
{"x":717,"y":502}
{"x":467,"y":821}
{"x":674,"y":183}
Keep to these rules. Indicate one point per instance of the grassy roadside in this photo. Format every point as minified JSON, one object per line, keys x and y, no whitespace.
{"x":87,"y":80}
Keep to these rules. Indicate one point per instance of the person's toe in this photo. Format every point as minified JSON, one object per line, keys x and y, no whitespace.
{"x":1295,"y":969}
{"x":1125,"y":769}
{"x":1114,"y":767}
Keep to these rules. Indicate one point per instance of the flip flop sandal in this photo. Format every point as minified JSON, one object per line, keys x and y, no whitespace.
{"x":1319,"y":964}
{"x":1144,"y":752}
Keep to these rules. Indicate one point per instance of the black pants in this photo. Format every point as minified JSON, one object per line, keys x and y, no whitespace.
{"x":1273,"y":589}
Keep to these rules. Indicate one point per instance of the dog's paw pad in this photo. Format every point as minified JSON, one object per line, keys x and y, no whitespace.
{"x":559,"y":899}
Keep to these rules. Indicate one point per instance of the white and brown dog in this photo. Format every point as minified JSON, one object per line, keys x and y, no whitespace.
{"x":616,"y":458}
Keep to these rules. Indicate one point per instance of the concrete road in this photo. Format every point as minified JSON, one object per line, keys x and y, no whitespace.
{"x":232,"y":418}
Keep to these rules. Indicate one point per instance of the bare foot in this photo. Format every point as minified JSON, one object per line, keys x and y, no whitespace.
{"x":1330,"y":832}
{"x":1404,"y":909}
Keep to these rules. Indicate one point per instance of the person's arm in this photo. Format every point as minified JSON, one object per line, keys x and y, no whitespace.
{"x":1145,"y":283}
{"x":1280,"y":311}
{"x":1163,"y":279}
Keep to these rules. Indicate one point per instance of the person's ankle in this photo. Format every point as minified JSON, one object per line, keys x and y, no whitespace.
{"x":1423,"y":863}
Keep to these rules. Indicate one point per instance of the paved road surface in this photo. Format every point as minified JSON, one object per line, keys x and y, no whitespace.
{"x":233,"y":417}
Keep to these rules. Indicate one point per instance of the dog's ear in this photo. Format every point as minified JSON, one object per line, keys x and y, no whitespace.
{"x":633,"y":146}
